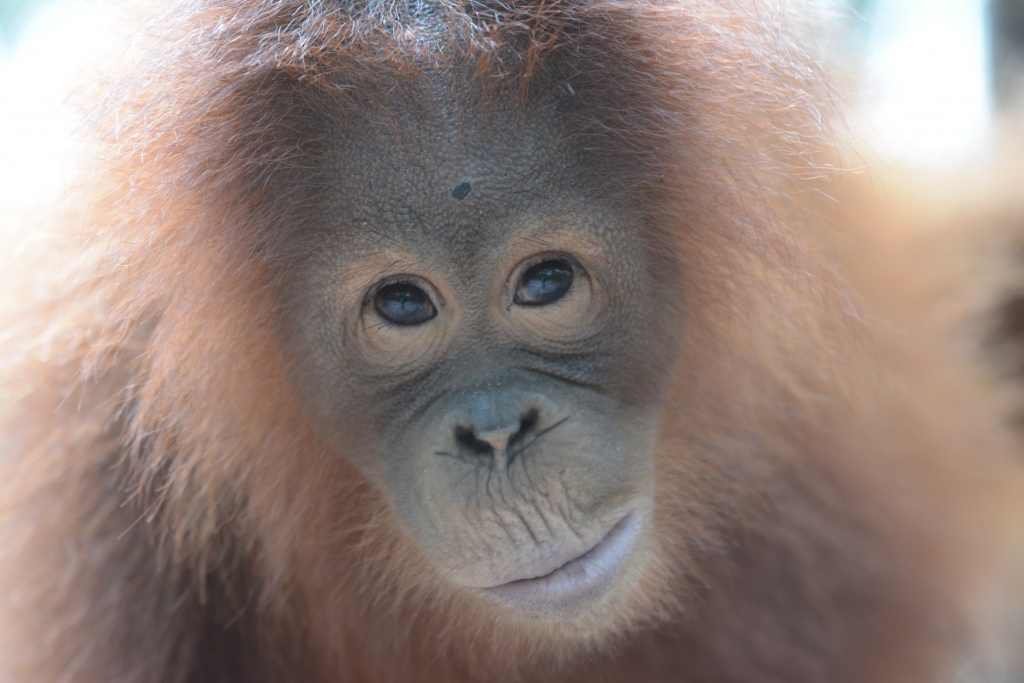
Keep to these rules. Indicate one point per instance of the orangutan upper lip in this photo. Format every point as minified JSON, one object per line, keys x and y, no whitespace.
{"x":580,"y":577}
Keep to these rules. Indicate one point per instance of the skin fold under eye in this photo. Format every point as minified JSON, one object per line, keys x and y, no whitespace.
{"x":544,"y":283}
{"x":402,"y":303}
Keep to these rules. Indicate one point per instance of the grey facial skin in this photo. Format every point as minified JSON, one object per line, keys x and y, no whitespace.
{"x":511,"y":437}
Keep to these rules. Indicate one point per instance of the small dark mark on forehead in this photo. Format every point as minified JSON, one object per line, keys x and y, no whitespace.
{"x":462,"y":191}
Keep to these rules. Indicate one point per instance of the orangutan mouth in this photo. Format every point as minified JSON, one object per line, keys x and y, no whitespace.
{"x":582,"y":578}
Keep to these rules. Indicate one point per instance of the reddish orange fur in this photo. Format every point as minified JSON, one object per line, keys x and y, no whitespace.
{"x":168,"y":512}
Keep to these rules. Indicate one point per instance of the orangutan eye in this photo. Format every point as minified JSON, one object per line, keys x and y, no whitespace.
{"x":403,"y":304}
{"x":544,"y":283}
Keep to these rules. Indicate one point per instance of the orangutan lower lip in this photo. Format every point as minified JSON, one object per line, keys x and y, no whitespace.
{"x":585,"y":576}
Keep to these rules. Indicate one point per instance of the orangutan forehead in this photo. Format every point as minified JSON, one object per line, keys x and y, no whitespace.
{"x":445,"y":167}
